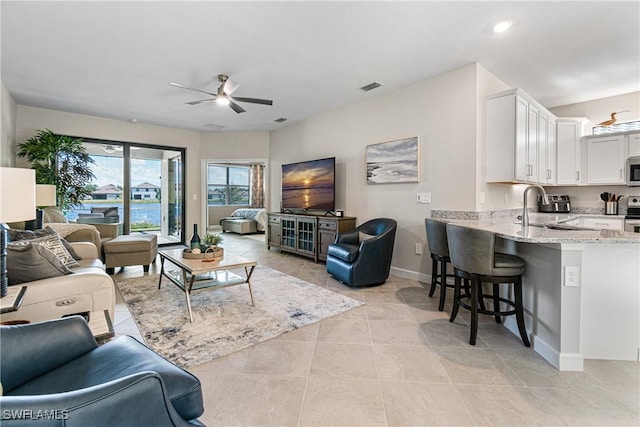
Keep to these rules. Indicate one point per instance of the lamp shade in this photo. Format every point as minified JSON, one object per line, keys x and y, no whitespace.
{"x":45,"y":195}
{"x":17,"y":194}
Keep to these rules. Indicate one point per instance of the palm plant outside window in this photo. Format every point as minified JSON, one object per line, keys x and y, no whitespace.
{"x":228,"y":185}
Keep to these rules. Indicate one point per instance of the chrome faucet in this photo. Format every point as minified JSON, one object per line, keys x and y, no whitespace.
{"x":525,"y":211}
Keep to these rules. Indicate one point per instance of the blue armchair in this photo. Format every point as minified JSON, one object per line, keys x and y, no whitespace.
{"x":362,"y":257}
{"x":54,"y":374}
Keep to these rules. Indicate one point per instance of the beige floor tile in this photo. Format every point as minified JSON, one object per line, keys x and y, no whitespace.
{"x":307,"y":333}
{"x":506,"y":406}
{"x":497,"y":336}
{"x":427,"y":312}
{"x":441,"y":332}
{"x":257,"y":400}
{"x":353,"y":331}
{"x":215,"y":389}
{"x":614,"y":373}
{"x":342,"y":402}
{"x":588,"y":407}
{"x":531,"y":368}
{"x":400,"y":332}
{"x":127,"y":327}
{"x":419,"y":404}
{"x":476,"y":366}
{"x":414,"y":295}
{"x":233,"y":363}
{"x":280,"y":358}
{"x":387,"y":296}
{"x":409,"y":363}
{"x":388,"y":312}
{"x":335,"y":360}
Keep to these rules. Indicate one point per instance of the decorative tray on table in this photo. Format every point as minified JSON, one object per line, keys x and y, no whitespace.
{"x":210,"y":254}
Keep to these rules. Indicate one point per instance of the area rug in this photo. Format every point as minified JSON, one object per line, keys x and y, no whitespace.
{"x":224,"y":321}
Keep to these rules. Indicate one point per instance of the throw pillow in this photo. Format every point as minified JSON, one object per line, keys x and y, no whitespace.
{"x":27,"y":262}
{"x":363,"y":236}
{"x":54,"y":244}
{"x":54,"y":214}
{"x":16,"y":235}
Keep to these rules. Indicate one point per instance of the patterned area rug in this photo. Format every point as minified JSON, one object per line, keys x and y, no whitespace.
{"x":224,"y":321}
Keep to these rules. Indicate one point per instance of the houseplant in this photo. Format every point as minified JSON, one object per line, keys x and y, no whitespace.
{"x":62,"y":161}
{"x":211,"y":242}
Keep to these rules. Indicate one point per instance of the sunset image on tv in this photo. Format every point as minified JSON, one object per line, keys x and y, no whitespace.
{"x":309,"y":185}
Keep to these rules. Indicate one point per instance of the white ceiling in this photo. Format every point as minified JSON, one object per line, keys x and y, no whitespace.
{"x":116,"y":59}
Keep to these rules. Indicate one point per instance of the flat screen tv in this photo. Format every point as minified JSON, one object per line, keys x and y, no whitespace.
{"x":309,"y":185}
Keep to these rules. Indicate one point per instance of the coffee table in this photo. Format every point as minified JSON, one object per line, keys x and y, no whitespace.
{"x":196,"y":275}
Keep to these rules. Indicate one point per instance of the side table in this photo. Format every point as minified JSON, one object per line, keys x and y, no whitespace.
{"x":13,"y":299}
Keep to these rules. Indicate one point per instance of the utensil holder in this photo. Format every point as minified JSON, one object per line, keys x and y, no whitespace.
{"x":611,"y":208}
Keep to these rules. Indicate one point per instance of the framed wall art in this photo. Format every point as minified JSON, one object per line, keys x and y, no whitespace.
{"x":393,"y":161}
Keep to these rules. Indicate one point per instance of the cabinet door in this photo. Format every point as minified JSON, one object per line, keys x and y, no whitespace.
{"x":605,"y":160}
{"x":532,"y":144}
{"x":521,"y":164}
{"x":288,"y":232}
{"x":634,"y":144}
{"x":306,"y":236}
{"x":327,"y":230}
{"x":546,"y":151}
{"x":275,"y":233}
{"x":569,"y":153}
{"x":604,"y":223}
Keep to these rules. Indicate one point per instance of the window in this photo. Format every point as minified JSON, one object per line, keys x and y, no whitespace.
{"x":228,"y":185}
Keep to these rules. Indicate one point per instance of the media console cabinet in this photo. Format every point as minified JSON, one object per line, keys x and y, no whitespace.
{"x":306,"y":235}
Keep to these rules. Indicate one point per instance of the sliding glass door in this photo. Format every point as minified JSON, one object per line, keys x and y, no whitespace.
{"x":142,"y":183}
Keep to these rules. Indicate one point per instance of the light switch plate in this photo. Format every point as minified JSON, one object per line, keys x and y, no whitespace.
{"x":423,"y":198}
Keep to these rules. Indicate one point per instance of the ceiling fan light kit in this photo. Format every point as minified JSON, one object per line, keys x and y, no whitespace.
{"x":223,"y":96}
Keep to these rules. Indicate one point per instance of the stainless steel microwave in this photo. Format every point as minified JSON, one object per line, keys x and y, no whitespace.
{"x":633,"y":171}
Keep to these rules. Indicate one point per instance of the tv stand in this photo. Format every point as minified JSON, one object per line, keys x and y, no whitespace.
{"x":306,"y":235}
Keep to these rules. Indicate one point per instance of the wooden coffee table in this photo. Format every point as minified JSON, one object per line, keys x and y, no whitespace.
{"x":196,"y":275}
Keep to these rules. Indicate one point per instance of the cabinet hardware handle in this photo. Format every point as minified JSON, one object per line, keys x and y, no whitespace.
{"x":620,"y":173}
{"x":577,"y":175}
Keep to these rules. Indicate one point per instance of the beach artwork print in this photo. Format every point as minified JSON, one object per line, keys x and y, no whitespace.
{"x":393,"y":161}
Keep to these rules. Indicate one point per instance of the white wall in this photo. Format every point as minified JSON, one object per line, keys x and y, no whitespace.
{"x":441,"y":111}
{"x":598,"y":111}
{"x":8,"y":111}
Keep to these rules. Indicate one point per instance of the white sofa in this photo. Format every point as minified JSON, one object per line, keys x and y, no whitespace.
{"x":88,"y":289}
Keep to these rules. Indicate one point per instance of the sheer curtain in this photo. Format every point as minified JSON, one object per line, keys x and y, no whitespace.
{"x":257,"y":186}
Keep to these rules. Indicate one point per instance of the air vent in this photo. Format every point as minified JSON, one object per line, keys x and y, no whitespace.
{"x":213,"y":126}
{"x":280,"y":120}
{"x":371,"y":86}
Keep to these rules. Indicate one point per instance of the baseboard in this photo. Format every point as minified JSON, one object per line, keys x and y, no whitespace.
{"x":412,"y":275}
{"x":561,"y":361}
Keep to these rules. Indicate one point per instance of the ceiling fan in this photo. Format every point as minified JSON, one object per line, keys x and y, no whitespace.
{"x":225,"y":88}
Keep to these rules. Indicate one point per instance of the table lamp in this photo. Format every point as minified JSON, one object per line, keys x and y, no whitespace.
{"x":45,"y":196}
{"x":17,"y":203}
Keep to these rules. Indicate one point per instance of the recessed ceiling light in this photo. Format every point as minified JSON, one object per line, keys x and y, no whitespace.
{"x":371,"y":86}
{"x":501,"y":27}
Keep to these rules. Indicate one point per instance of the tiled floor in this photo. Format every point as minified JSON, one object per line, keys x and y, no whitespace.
{"x":397,"y":361}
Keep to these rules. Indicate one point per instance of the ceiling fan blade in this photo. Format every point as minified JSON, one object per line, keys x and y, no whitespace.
{"x":235,"y":107}
{"x":191,"y":88}
{"x":200,"y":101}
{"x":253,"y":100}
{"x":230,"y":86}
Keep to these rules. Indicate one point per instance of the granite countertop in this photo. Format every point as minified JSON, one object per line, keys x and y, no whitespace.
{"x":537,"y":232}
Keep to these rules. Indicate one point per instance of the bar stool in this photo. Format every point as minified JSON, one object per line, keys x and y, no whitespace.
{"x":473,"y":257}
{"x":439,"y":248}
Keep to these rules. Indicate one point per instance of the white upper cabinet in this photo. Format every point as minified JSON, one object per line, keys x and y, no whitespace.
{"x":606,"y":156}
{"x":547,"y":172}
{"x":569,"y":130}
{"x":634,"y":144}
{"x":516,"y":127}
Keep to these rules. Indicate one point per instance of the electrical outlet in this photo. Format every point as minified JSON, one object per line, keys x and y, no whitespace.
{"x":572,"y":275}
{"x":418,"y":248}
{"x":195,"y":197}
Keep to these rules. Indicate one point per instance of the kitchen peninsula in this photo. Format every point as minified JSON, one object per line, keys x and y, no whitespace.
{"x":581,"y":287}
